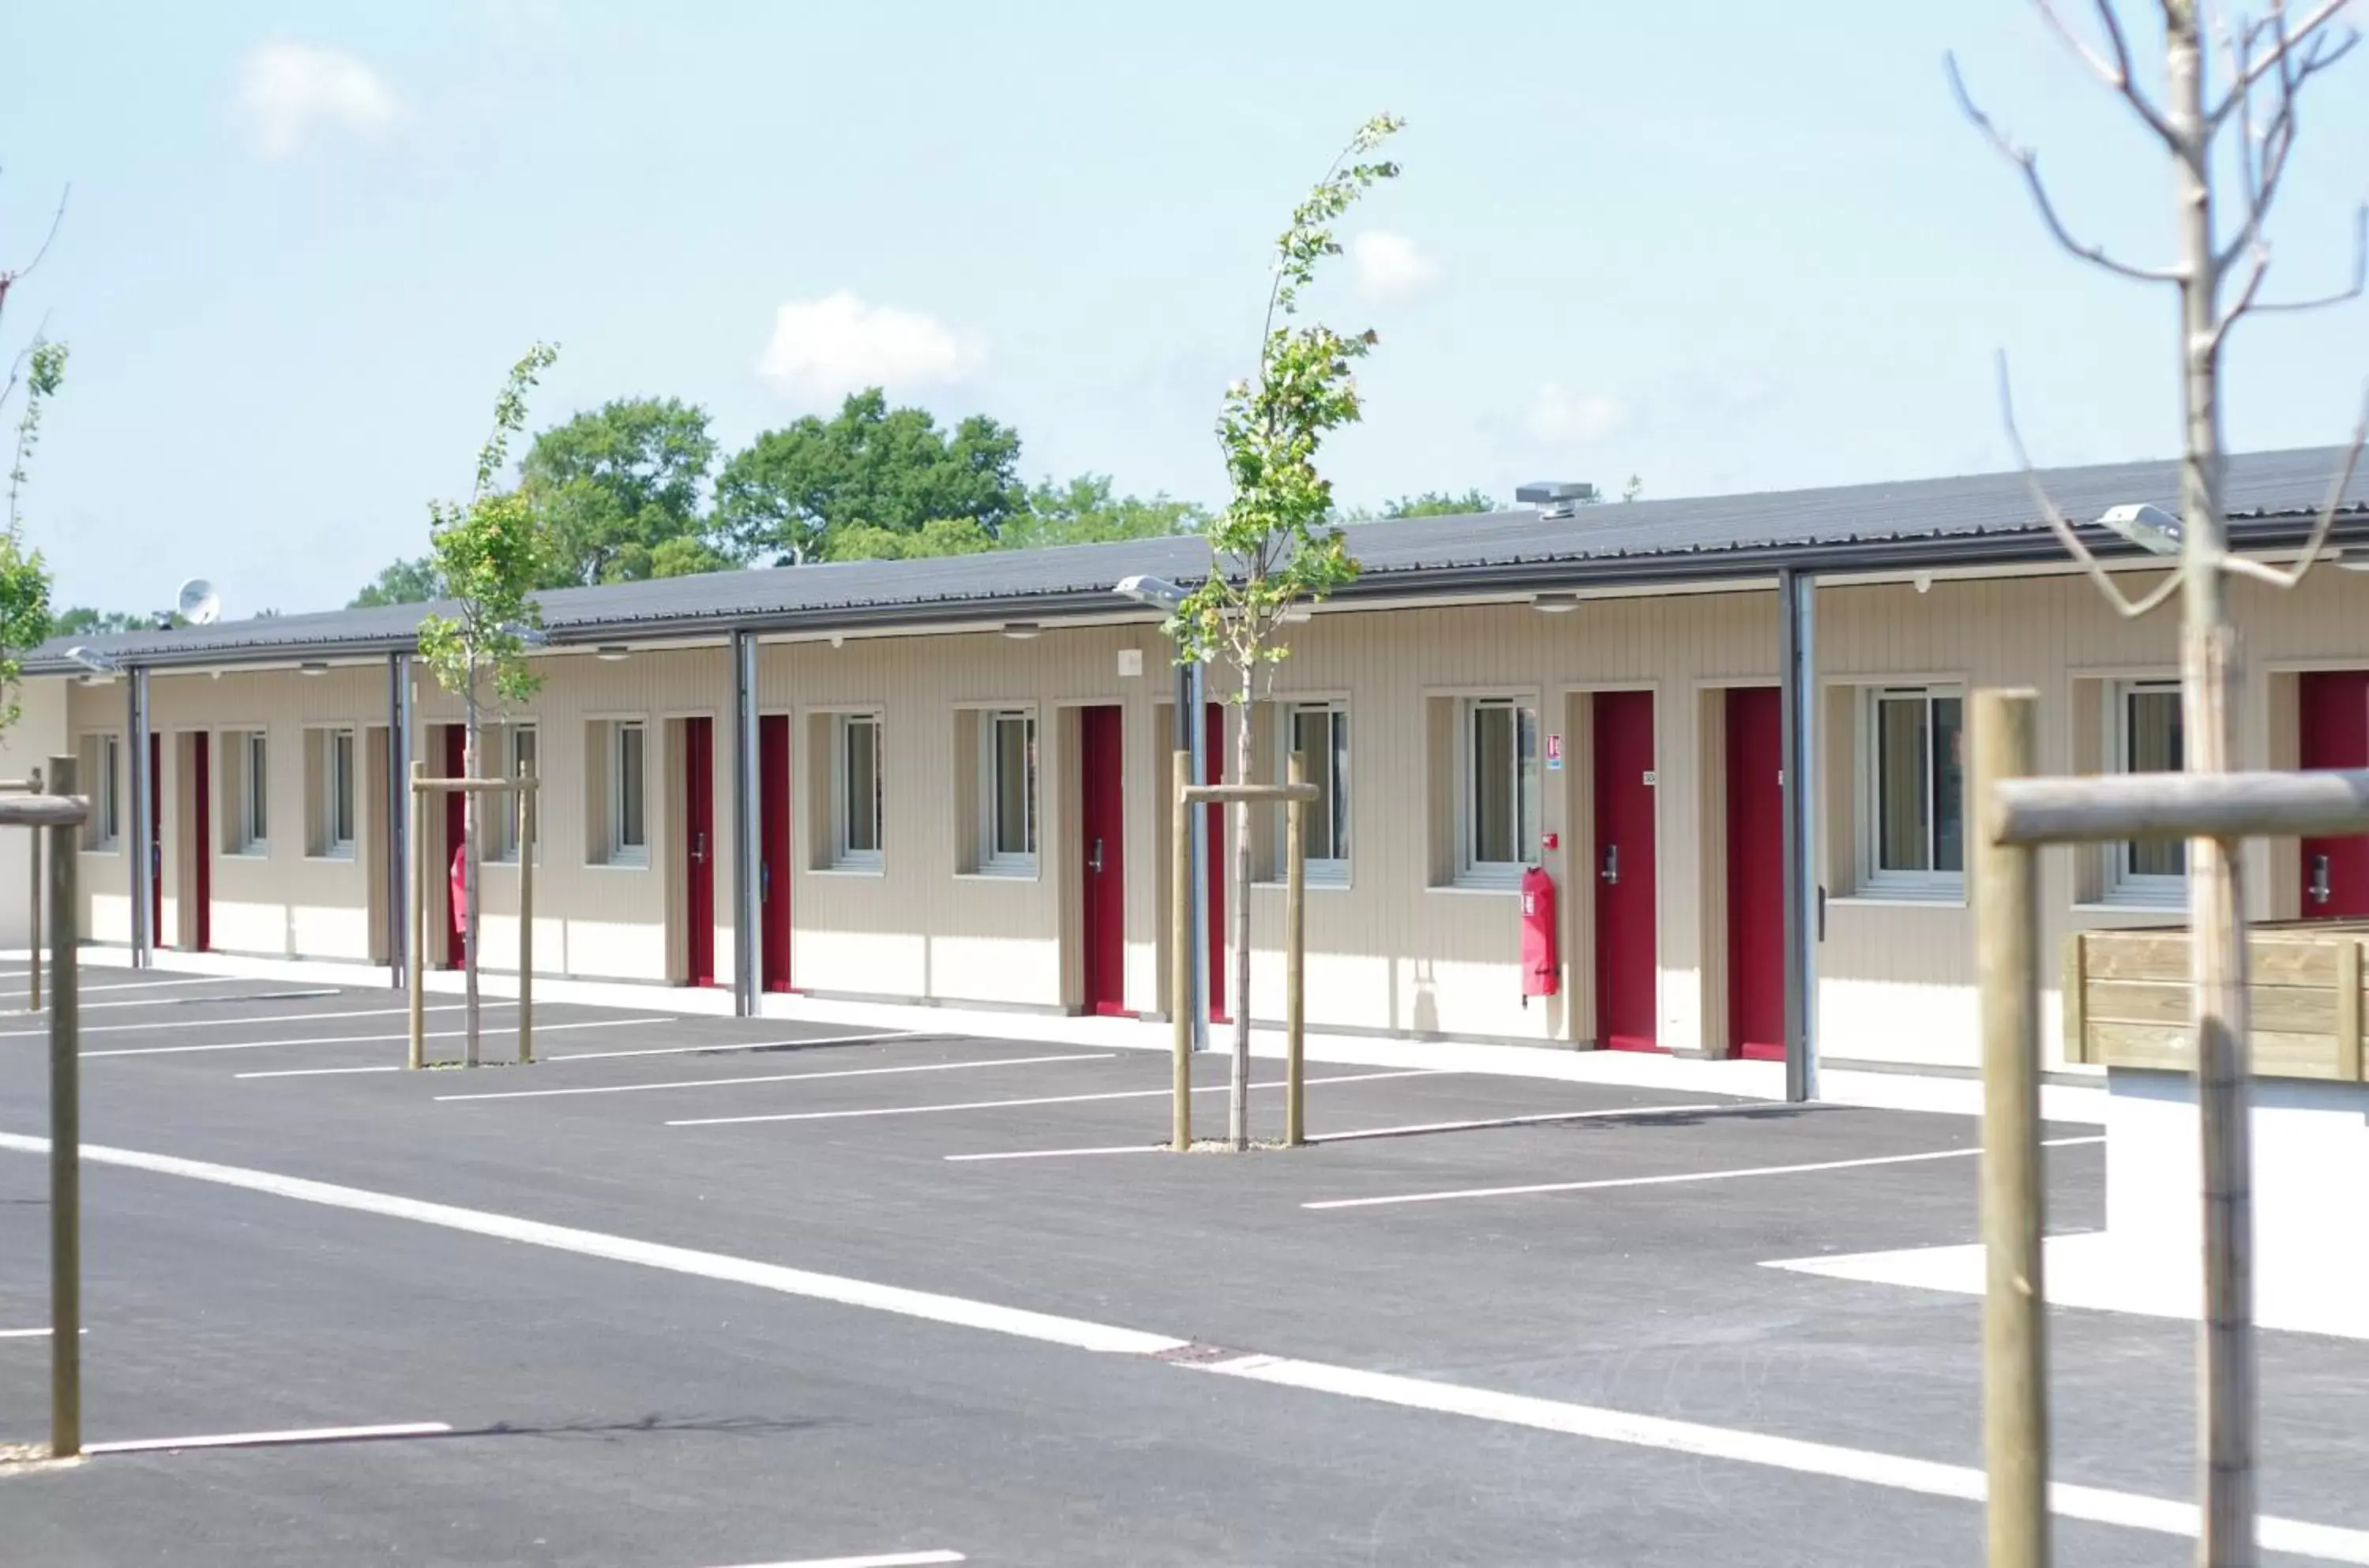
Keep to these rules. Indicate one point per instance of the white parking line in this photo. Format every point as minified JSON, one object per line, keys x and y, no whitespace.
{"x":1829,"y":1461}
{"x":88,"y":989}
{"x":271,"y":1439}
{"x":203,"y":1001}
{"x":1543,"y":1118}
{"x":773,"y":1078}
{"x":540,"y":1031}
{"x":742,"y":1046}
{"x":31,"y":1333}
{"x":887,"y":1560}
{"x":228,"y":1022}
{"x":1045,"y":1100}
{"x":1668,"y":1180}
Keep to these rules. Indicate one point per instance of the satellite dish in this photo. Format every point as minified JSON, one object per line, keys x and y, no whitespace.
{"x":199,"y":604}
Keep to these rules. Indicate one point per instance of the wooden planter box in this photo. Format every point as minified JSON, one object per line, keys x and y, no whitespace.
{"x":2127,"y":999}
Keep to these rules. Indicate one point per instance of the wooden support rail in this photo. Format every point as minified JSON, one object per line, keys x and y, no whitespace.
{"x":31,"y":785}
{"x":2328,"y":803}
{"x":526,"y":787}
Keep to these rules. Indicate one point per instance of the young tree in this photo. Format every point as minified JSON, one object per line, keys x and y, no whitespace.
{"x":2243,"y":125}
{"x":485,"y":554}
{"x":1274,"y":545}
{"x":40,"y":368}
{"x":411,"y":581}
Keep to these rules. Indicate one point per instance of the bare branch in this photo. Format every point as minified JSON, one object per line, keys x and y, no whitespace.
{"x":2114,"y":73}
{"x":2123,"y":603}
{"x":48,"y":239}
{"x":2028,"y":161}
{"x":2240,"y":566}
{"x":2248,"y":71}
{"x":2351,"y":290}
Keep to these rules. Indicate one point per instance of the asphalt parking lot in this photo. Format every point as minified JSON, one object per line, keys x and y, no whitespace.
{"x":696,"y":1292}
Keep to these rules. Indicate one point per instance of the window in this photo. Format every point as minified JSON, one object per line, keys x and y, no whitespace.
{"x":856,"y":792}
{"x":629,"y":836}
{"x":517,"y":751}
{"x":1007,"y":794}
{"x":102,"y":777}
{"x":2147,"y":728}
{"x":249,"y":827}
{"x":330,"y":782}
{"x":1498,"y":834}
{"x":1322,"y":731}
{"x":1913,"y":814}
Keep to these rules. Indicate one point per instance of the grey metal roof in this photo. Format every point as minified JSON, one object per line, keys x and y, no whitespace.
{"x":1973,"y":519}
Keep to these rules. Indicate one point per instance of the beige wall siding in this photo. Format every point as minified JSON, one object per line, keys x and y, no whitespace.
{"x":1397,"y":949}
{"x":41,"y":732}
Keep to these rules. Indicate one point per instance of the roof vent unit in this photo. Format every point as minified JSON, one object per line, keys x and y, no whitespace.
{"x":2152,"y":529}
{"x":1556,"y":499}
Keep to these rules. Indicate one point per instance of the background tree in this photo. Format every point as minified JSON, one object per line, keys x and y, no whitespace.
{"x":487,"y":555}
{"x":405,"y":582}
{"x":616,"y":493}
{"x":939,"y":537}
{"x":1088,"y":511}
{"x":782,"y":498}
{"x":2244,"y":125}
{"x":1275,"y":543}
{"x":40,"y":368}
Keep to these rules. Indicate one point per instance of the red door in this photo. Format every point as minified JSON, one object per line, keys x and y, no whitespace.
{"x":202,"y":847}
{"x":2335,"y":721}
{"x":1102,"y":830}
{"x":1213,"y":845}
{"x":456,"y":835}
{"x":1756,"y":873}
{"x":156,"y":839}
{"x":774,"y":850}
{"x":1625,"y":1002}
{"x":699,"y":844}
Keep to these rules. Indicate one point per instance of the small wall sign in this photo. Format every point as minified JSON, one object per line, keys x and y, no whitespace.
{"x":1554,"y":753}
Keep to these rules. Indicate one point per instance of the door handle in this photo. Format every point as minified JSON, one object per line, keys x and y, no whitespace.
{"x":1094,"y":860}
{"x":1610,"y":872}
{"x":764,"y":882}
{"x":2319,"y":875}
{"x":1821,"y":912}
{"x":699,"y":849}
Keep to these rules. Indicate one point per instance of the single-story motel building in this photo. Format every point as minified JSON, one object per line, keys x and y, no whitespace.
{"x":949,"y":781}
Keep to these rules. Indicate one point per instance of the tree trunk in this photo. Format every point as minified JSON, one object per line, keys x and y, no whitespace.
{"x":1237,"y":1118}
{"x":2209,"y":676}
{"x":469,"y":842}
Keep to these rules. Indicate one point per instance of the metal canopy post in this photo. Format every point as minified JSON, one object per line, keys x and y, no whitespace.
{"x":1198,"y":743}
{"x":749,"y":854}
{"x":146,"y":851}
{"x":398,"y":816}
{"x":1804,"y":898}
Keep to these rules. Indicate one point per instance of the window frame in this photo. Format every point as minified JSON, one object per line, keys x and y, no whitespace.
{"x":623,"y":852}
{"x":994,"y":859}
{"x":1329,"y":869}
{"x":506,"y":835}
{"x":338,"y":796}
{"x":252,"y":804}
{"x":1524,"y":780}
{"x":105,"y":834}
{"x":844,"y":857}
{"x":2124,"y":885}
{"x":1875,"y":879}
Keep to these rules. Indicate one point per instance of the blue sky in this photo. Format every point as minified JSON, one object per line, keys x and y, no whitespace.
{"x":1722,"y":245}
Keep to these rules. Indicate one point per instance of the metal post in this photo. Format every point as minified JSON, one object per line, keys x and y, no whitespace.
{"x":1198,"y":737}
{"x":415,"y":1054}
{"x":143,"y":837}
{"x":2007,"y":962}
{"x":398,"y":816}
{"x":1804,"y":899}
{"x":33,"y":914}
{"x":1294,"y":958}
{"x":1180,"y":988}
{"x":749,"y":858}
{"x":65,"y":1134}
{"x":529,"y":796}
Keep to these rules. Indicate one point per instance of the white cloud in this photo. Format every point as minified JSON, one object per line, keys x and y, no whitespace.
{"x":822,"y":350}
{"x":1559,"y":413}
{"x":1391,"y":267}
{"x":286,"y":90}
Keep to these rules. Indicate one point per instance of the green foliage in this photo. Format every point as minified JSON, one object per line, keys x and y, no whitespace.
{"x":82,"y":621}
{"x":1633,"y":489}
{"x":683,"y":557}
{"x":939,"y":537}
{"x":1275,"y":543}
{"x":45,"y":371}
{"x":868,"y":466}
{"x":487,"y":555}
{"x":614,"y":487}
{"x":24,"y":617}
{"x":1085,"y":511}
{"x":405,"y":582}
{"x":1431,"y":503}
